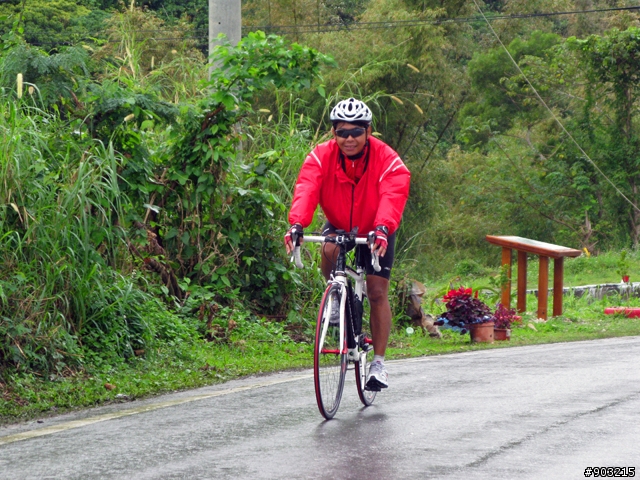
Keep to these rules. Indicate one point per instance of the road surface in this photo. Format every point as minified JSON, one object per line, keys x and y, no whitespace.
{"x":536,"y":412}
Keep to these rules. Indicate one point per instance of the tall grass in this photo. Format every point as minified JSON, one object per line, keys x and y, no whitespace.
{"x":59,"y":239}
{"x":173,"y":68}
{"x":281,"y":137}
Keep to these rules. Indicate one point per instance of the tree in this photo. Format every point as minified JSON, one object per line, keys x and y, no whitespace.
{"x":50,"y":23}
{"x":56,"y":77}
{"x":498,"y":102}
{"x":613,"y":63}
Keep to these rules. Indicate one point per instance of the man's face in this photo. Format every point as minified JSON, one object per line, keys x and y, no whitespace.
{"x":352,"y":145}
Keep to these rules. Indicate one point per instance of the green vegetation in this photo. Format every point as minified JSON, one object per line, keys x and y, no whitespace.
{"x":583,"y":270}
{"x":144,"y":192}
{"x":262,"y":346}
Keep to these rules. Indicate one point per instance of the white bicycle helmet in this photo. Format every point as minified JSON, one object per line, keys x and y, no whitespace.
{"x":351,"y":110}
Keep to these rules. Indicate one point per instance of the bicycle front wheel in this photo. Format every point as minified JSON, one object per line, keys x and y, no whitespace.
{"x":330,"y":353}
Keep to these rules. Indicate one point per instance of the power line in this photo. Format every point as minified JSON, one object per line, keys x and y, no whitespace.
{"x":320,"y":28}
{"x":314,"y":27}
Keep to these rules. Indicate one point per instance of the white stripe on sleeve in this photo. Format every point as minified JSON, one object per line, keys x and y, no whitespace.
{"x":316,"y":158}
{"x":397,"y":159}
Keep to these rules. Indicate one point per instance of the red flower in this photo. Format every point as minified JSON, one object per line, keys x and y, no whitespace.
{"x":464,"y":307}
{"x":459,"y":293}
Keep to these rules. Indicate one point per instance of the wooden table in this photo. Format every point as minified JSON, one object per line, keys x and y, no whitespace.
{"x":544,"y":251}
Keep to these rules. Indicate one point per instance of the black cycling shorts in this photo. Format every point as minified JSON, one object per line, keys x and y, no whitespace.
{"x":363,"y":254}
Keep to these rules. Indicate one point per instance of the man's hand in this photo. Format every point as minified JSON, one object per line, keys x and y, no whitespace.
{"x":292,"y":237}
{"x":380,"y":244}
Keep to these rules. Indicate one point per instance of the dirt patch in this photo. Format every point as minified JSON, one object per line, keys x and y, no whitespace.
{"x":9,"y":396}
{"x":297,"y":333}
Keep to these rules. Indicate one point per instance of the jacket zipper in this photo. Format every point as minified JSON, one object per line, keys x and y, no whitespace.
{"x":353,"y":195}
{"x":353,"y":186}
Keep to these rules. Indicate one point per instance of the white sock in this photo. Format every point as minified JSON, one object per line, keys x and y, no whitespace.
{"x":378,"y":358}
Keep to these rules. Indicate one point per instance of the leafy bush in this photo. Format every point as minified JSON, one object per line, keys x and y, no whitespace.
{"x":503,"y":317}
{"x":212,"y":218}
{"x":469,"y":267}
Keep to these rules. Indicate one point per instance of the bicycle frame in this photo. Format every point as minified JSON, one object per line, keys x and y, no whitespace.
{"x":359,"y":292}
{"x":342,"y":340}
{"x":339,"y":279}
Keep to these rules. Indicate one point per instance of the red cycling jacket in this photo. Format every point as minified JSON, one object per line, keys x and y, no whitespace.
{"x":377,"y":199}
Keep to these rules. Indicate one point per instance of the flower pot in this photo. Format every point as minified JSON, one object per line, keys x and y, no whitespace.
{"x":481,"y":332}
{"x":502,"y":333}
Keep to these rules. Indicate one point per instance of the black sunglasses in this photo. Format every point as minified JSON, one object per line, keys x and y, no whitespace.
{"x":350,"y":132}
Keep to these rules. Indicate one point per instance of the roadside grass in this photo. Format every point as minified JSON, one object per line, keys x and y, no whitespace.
{"x":583,"y":319}
{"x":193,"y":363}
{"x":585,"y":270}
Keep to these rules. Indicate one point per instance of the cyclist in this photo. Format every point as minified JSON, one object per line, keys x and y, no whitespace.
{"x":359,"y":181}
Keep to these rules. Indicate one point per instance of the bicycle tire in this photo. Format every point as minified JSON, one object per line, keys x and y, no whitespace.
{"x":364,"y":347}
{"x":329,"y":357}
{"x":362,"y":370}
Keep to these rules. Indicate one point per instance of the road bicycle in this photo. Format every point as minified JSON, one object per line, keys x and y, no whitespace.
{"x":339,"y":338}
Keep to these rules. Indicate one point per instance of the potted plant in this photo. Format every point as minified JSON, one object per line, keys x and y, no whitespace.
{"x":623,"y":267}
{"x":465,"y":312}
{"x":503,"y":317}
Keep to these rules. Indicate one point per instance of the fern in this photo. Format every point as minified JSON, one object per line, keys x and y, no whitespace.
{"x":55,"y":76}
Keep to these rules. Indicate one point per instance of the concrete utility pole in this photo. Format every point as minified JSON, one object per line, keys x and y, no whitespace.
{"x":224,"y":17}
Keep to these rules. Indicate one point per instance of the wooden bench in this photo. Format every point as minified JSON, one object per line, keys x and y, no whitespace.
{"x":544,"y":252}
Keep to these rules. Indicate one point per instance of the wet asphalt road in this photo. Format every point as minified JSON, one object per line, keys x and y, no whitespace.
{"x":539,"y":412}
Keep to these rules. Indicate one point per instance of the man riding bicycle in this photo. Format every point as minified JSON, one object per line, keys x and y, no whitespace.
{"x":359,"y":181}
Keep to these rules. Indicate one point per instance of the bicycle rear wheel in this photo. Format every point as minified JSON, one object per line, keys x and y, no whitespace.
{"x":362,"y":370}
{"x":330,"y":355}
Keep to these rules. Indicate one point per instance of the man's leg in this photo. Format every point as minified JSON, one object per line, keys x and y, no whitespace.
{"x":329,"y":256}
{"x":378,"y":295}
{"x":380,"y":319}
{"x":380,"y":315}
